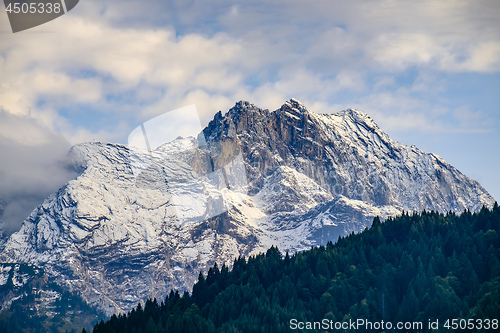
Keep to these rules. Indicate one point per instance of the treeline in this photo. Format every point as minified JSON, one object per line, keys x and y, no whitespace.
{"x":413,"y":268}
{"x":28,"y":313}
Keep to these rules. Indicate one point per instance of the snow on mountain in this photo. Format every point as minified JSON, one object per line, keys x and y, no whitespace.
{"x":116,"y":235}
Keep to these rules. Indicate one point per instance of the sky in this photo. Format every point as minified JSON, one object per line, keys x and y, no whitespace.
{"x":427,"y":72}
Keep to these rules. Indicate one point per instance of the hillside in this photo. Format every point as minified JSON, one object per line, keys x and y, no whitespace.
{"x":409,"y":269}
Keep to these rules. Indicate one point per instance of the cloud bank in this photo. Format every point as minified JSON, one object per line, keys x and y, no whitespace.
{"x":34,"y":165}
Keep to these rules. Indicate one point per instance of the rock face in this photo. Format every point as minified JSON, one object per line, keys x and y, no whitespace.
{"x":115,"y":237}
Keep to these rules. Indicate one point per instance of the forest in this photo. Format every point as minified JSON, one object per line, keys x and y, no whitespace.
{"x":422,"y":268}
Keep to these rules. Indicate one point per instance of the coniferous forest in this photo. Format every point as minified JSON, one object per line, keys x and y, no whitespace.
{"x":416,"y":268}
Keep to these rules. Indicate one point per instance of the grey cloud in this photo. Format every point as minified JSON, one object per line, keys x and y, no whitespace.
{"x":29,"y":171}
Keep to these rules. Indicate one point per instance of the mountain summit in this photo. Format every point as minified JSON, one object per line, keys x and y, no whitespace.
{"x":116,"y":238}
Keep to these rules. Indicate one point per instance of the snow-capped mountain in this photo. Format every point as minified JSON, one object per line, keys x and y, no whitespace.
{"x":116,"y":236}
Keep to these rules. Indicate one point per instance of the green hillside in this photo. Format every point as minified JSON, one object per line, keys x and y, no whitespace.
{"x":416,"y":269}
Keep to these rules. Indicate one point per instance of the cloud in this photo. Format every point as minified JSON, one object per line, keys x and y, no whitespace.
{"x":104,"y":68}
{"x":398,"y":51}
{"x":33,"y":165}
{"x":106,"y":58}
{"x":400,"y":112}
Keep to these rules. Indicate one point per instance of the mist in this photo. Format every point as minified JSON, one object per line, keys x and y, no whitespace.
{"x":33,"y":164}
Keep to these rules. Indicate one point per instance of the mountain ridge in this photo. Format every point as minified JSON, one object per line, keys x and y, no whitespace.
{"x":116,"y":236}
{"x":414,"y":268}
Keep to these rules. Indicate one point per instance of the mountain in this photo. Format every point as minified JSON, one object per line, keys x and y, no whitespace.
{"x":137,"y":223}
{"x":410,"y":270}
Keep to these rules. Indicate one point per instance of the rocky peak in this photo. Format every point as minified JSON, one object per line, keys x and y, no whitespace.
{"x":358,"y":117}
{"x":241,"y":110}
{"x":294,"y":106}
{"x":242,"y":106}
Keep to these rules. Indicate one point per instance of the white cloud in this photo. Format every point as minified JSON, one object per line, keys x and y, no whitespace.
{"x":484,"y":57}
{"x":105,"y":58}
{"x":119,"y":61}
{"x":400,"y":112}
{"x":399,"y":51}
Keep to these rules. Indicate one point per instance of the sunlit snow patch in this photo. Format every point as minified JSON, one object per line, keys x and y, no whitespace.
{"x":169,"y":155}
